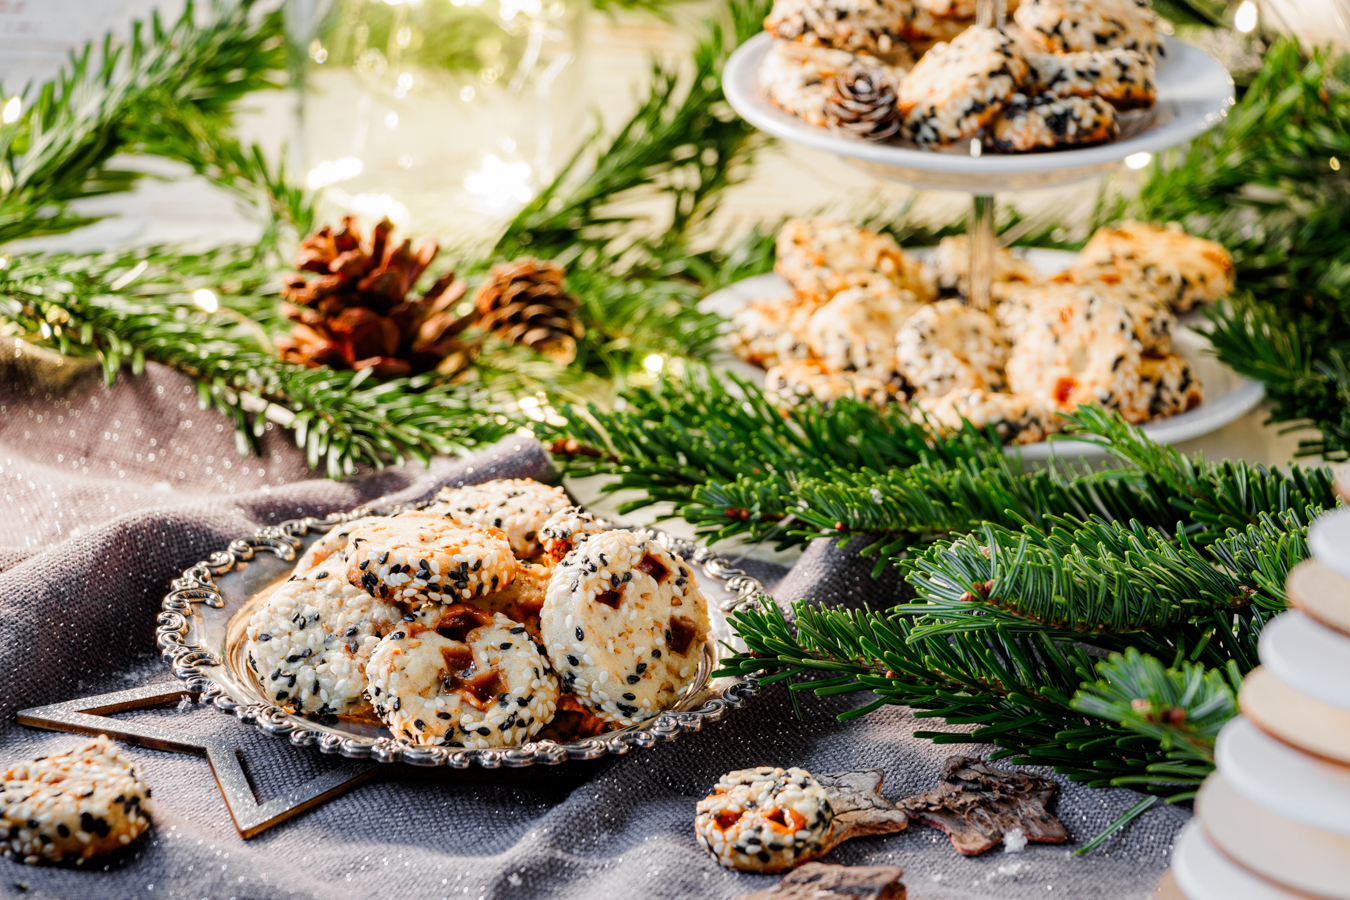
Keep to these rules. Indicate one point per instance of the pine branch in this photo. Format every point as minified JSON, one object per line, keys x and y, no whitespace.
{"x":341,"y":419}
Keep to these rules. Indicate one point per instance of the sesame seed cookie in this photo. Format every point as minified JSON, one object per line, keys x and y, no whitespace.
{"x":309,"y":641}
{"x":1165,"y":262}
{"x":787,"y":385}
{"x":948,"y":345}
{"x":333,"y":541}
{"x":957,"y":87}
{"x":1123,"y":78}
{"x":518,"y":506}
{"x":1167,"y":387}
{"x":767,"y":332}
{"x":467,"y":679}
{"x":624,"y":625}
{"x":820,"y":257}
{"x":1074,"y":26}
{"x":425,"y":557}
{"x":862,"y":26}
{"x":1048,"y":122}
{"x":69,"y":807}
{"x":1151,"y":323}
{"x":856,"y":329}
{"x":764,"y":819}
{"x":951,"y":268}
{"x":1014,"y":417}
{"x":795,"y":76}
{"x":567,"y":528}
{"x":520,"y":601}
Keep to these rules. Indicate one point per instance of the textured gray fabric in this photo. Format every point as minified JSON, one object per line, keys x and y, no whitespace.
{"x":107,"y":493}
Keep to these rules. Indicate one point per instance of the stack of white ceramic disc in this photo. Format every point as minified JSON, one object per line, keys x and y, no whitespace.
{"x":1274,"y":820}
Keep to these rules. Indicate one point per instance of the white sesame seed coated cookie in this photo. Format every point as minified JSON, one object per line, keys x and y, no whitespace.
{"x":1176,"y":268}
{"x":820,"y":257}
{"x":520,"y":601}
{"x":1074,"y":26}
{"x":951,"y":267}
{"x":470,"y":679}
{"x":1014,"y":417}
{"x":426,"y":557}
{"x":957,"y":87}
{"x":948,"y":345}
{"x":1123,"y":78}
{"x":567,"y":528}
{"x":334,"y":541}
{"x":624,"y":625}
{"x":1049,"y":122}
{"x":518,"y":506}
{"x":866,"y":26}
{"x":309,"y":641}
{"x":1151,"y":323}
{"x":794,"y":76}
{"x":856,"y":329}
{"x":1167,"y":387}
{"x":767,"y":332}
{"x":791,"y":384}
{"x":69,"y":807}
{"x":764,"y":819}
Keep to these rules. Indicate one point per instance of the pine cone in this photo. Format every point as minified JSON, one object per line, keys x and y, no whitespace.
{"x":354,"y":311}
{"x":862,"y":103}
{"x":524,"y":302}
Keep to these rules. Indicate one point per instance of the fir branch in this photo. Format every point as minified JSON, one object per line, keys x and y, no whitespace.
{"x":341,"y":419}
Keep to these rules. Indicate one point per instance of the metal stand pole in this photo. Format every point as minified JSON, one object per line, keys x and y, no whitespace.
{"x":988,"y":13}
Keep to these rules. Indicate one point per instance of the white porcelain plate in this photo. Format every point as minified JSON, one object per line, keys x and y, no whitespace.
{"x":1194,"y":94}
{"x":1228,"y":396}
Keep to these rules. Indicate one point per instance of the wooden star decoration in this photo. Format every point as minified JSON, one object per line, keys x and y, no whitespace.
{"x":87,"y":715}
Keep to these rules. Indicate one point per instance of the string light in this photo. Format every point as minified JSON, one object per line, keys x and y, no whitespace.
{"x":654,"y":363}
{"x":13,"y":109}
{"x":1244,"y":20}
{"x":331,"y":171}
{"x":1138,"y":160}
{"x":207,"y":300}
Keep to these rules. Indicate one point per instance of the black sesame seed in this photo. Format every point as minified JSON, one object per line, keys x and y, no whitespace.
{"x":264,"y":637}
{"x":641,"y":667}
{"x":581,"y":635}
{"x":572,"y":660}
{"x":383,"y":558}
{"x":634,"y":679}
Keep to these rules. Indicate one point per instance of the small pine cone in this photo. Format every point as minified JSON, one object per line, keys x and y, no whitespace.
{"x":862,"y":103}
{"x":524,"y":302}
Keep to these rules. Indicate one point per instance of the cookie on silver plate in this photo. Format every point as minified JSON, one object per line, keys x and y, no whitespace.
{"x":426,"y":557}
{"x":309,"y":641}
{"x":1050,"y":122}
{"x":333,"y":541}
{"x":465,"y":678}
{"x":518,"y":506}
{"x":69,"y":807}
{"x":624,"y":625}
{"x":957,"y":87}
{"x":764,"y":819}
{"x":567,"y":528}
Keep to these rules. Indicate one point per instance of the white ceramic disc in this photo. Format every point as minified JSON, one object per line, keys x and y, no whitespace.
{"x":1194,"y":94}
{"x":1272,"y":847}
{"x":1281,"y":779}
{"x":1329,"y":540}
{"x":1295,"y":719}
{"x":1321,"y":594}
{"x":1228,"y":396}
{"x":1203,"y":873}
{"x":1309,"y":657}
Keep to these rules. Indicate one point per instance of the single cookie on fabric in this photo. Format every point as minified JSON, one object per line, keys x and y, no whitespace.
{"x":1014,"y":417}
{"x":467,"y":678}
{"x":795,"y":76}
{"x":1176,"y":268}
{"x":428,"y":557}
{"x":1167,"y":386}
{"x":856,"y":329}
{"x":567,"y":528}
{"x":1123,"y":78}
{"x":1074,"y":26}
{"x":948,"y":345}
{"x":767,"y":332}
{"x":764,"y":819}
{"x":788,"y":385}
{"x":309,"y":642}
{"x":820,"y":257}
{"x":1048,"y":122}
{"x":521,"y":600}
{"x":1151,"y":323}
{"x":333,"y":541}
{"x":72,"y":806}
{"x":951,"y":268}
{"x":956,"y":88}
{"x":862,"y":26}
{"x":624,"y":625}
{"x":518,"y":506}
{"x":1079,"y":351}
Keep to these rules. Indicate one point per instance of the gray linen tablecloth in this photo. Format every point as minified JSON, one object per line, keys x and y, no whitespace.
{"x":106,"y":494}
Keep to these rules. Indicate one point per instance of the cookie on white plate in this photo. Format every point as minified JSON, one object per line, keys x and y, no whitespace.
{"x":1073,"y":26}
{"x":958,"y":87}
{"x":948,"y":345}
{"x":951,"y":268}
{"x":1013,"y":417}
{"x":1049,"y":122}
{"x":819,"y":257}
{"x":1123,"y":78}
{"x":767,"y":332}
{"x":862,"y":26}
{"x":788,"y":385}
{"x":855,"y":330}
{"x":1175,"y":268}
{"x":795,"y":77}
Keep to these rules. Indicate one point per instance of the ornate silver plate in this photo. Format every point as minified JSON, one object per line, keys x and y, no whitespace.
{"x":201,"y":627}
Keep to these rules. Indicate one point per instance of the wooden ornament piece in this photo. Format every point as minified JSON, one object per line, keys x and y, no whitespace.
{"x":821,"y":881}
{"x":1320,"y":593}
{"x":976,"y":805}
{"x":1295,"y":719}
{"x":1306,"y":860}
{"x":859,"y":808}
{"x":1167,"y":888}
